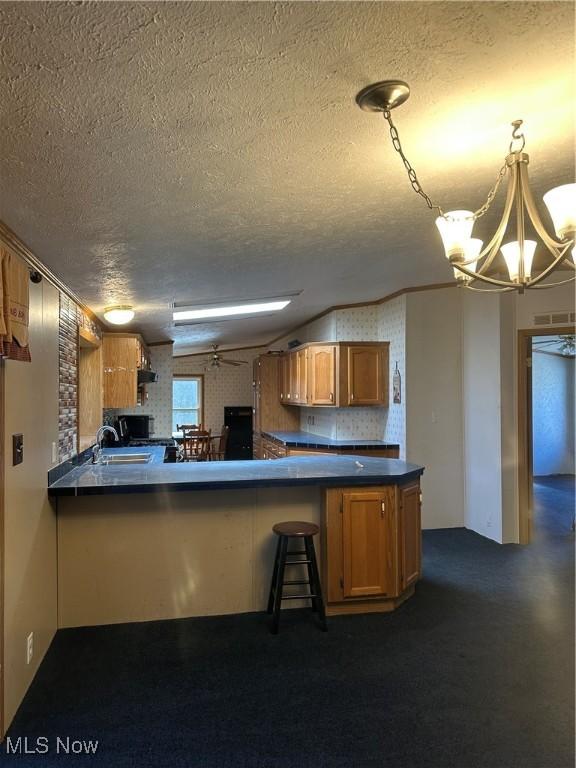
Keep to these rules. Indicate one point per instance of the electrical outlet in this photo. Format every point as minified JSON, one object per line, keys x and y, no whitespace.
{"x":54,"y":453}
{"x":17,"y":449}
{"x":29,"y":647}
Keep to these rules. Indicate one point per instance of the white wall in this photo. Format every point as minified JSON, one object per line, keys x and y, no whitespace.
{"x":31,"y":408}
{"x":434,"y":431}
{"x":553,"y":414}
{"x":481,"y":410}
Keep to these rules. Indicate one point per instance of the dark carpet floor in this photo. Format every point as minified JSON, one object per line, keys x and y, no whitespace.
{"x":476,"y":671}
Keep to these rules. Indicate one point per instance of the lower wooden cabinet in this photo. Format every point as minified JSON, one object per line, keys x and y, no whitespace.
{"x":371,"y":551}
{"x":409,"y":535}
{"x":368,"y":544}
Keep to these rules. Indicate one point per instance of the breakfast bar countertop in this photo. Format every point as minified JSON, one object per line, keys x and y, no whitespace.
{"x":155,"y":477}
{"x":309,"y":440}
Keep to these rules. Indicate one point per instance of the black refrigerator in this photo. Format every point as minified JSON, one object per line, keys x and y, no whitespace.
{"x":239,"y":419}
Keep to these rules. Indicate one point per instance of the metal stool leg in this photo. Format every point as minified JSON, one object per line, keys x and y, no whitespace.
{"x":274,"y":582}
{"x":279,"y":585}
{"x":316,"y":587}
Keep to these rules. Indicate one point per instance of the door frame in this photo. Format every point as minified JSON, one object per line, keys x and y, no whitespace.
{"x":525,"y":458}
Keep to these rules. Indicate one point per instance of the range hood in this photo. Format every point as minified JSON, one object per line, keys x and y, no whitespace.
{"x":147,"y":377}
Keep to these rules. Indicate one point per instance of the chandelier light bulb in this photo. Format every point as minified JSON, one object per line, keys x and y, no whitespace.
{"x":455,"y":229}
{"x":561,"y":202}
{"x":511,"y":253}
{"x":472,"y":248}
{"x":119,"y":314}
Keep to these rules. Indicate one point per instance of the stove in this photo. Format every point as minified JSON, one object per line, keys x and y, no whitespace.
{"x":169,"y":442}
{"x":142,"y":442}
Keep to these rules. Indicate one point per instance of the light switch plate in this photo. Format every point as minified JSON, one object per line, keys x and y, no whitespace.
{"x":17,"y":449}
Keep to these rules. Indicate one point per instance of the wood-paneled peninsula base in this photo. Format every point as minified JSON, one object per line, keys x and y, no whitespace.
{"x":168,"y":541}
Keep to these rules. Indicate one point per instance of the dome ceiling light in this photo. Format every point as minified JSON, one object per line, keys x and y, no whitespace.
{"x":466,"y":255}
{"x":119,"y":314}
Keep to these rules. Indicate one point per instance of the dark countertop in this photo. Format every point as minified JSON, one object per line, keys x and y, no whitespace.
{"x":325,"y":471}
{"x":308,"y":440}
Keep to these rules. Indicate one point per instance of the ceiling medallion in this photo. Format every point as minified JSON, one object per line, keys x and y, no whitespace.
{"x":470,"y":260}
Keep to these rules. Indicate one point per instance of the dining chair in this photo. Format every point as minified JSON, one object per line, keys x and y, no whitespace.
{"x":196,"y":444}
{"x":219,"y":442}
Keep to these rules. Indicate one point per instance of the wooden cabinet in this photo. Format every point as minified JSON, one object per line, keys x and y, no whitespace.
{"x":409,"y":534}
{"x":275,"y":449}
{"x":368,"y":544}
{"x":123,"y":355}
{"x":269,"y":413}
{"x":370,"y":547}
{"x":341,"y":374}
{"x":365,"y":376}
{"x":321,"y":365}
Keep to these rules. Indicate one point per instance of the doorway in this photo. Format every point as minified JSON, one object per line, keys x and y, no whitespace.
{"x":545,"y":426}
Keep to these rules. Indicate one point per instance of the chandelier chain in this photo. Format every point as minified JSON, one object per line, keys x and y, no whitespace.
{"x":417,"y":187}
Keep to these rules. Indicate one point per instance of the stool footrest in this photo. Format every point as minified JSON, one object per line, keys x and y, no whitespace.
{"x":291,"y":582}
{"x":297,"y":562}
{"x":298,"y":597}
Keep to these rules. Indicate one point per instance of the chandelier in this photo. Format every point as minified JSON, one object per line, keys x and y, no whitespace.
{"x":468,"y":256}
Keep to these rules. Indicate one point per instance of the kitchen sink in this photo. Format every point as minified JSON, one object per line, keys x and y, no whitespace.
{"x":126,"y":458}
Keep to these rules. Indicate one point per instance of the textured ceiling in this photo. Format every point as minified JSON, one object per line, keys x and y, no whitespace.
{"x":160,"y":152}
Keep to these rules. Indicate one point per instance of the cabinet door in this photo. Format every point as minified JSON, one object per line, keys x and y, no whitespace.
{"x":410,"y":544}
{"x":369,"y":543}
{"x":367,"y":375}
{"x":256,"y":411}
{"x":283,"y":379}
{"x":322,"y":374}
{"x":293,"y":376}
{"x":120,"y":361}
{"x":302,"y":376}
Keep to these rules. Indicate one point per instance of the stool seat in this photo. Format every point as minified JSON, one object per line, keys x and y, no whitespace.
{"x":304,"y":533}
{"x":295,"y":528}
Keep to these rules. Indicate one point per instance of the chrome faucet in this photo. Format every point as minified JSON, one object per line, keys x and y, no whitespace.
{"x":97,"y":449}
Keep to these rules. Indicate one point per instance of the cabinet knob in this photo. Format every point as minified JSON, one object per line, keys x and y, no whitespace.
{"x":331,"y":397}
{"x":382,"y":508}
{"x":351,"y":396}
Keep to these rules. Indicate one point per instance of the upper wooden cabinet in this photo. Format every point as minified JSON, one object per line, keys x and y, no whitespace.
{"x":268,"y":412}
{"x":322,"y":375}
{"x":124,"y":354}
{"x":365,"y":378}
{"x":340,"y":374}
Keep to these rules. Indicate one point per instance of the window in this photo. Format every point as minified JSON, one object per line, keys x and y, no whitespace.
{"x":186,"y":400}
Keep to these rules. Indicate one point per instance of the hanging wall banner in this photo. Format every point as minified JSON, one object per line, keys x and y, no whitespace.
{"x":397,"y":386}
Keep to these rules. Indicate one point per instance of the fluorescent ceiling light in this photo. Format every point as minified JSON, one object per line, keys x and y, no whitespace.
{"x":230,"y":311}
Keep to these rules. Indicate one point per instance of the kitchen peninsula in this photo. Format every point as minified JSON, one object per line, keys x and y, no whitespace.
{"x":145,"y":541}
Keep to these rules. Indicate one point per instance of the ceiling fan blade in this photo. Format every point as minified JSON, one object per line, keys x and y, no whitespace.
{"x":231,"y":362}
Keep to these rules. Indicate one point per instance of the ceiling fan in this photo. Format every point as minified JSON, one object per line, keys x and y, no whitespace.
{"x":564,"y":344}
{"x":216,"y":360}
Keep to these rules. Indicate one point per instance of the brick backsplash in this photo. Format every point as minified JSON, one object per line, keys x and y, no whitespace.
{"x":72,"y":317}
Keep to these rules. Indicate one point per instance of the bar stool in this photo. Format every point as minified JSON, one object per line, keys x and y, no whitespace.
{"x":285,"y":532}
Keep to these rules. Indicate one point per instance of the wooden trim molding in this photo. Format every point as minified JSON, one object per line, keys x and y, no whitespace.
{"x":375,"y":302}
